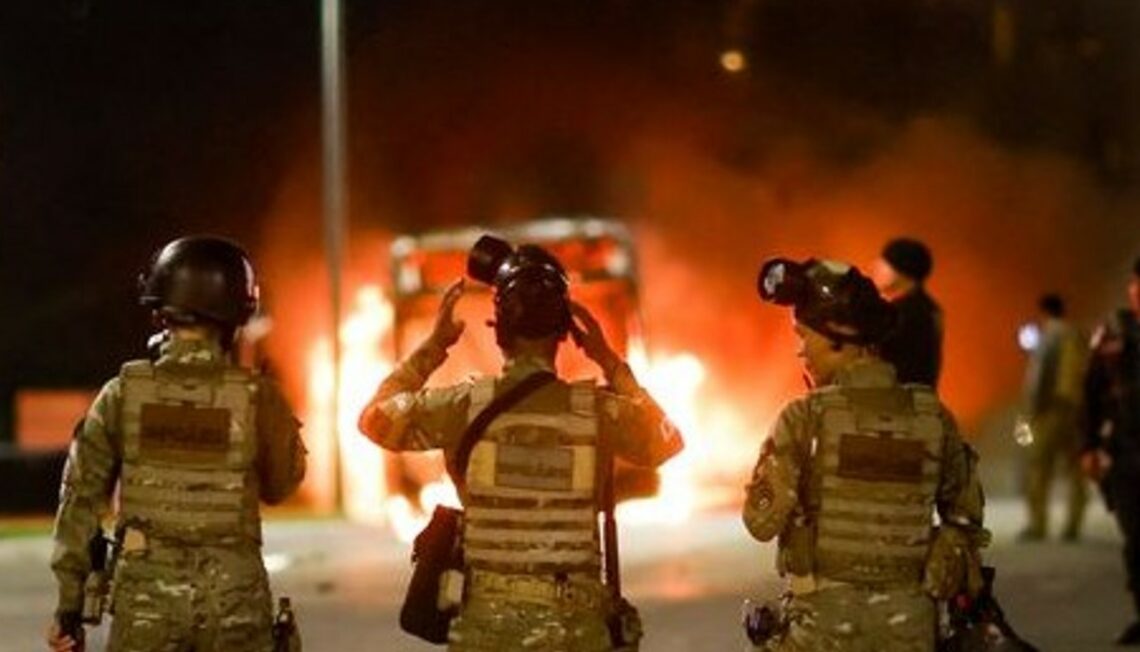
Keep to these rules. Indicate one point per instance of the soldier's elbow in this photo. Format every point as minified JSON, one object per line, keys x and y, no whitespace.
{"x":364,"y":423}
{"x":374,"y":425}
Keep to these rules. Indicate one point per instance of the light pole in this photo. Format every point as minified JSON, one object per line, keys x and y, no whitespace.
{"x":334,"y":198}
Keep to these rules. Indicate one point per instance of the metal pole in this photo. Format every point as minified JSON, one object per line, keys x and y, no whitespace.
{"x":335,"y":199}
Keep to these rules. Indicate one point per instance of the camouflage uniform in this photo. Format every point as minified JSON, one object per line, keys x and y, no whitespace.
{"x":530,"y":536}
{"x":848,"y":480}
{"x":192,"y":444}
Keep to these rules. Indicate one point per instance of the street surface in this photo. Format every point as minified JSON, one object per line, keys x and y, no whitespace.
{"x":347,"y":581}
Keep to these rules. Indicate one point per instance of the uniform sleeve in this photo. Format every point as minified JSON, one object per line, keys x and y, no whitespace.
{"x":281,"y":452}
{"x":640,"y":431}
{"x":960,"y":500}
{"x":402,"y":416}
{"x":773,"y":494}
{"x":89,"y":479}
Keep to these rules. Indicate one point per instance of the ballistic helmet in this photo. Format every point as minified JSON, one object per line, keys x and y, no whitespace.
{"x":201,"y":279}
{"x":532,"y":297}
{"x":830,"y":297}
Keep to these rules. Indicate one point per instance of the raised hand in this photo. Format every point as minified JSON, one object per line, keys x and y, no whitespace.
{"x":57,"y":642}
{"x":447,"y":328}
{"x":588,"y":335}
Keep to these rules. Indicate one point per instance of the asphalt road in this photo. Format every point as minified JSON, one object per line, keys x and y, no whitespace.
{"x":347,"y":581}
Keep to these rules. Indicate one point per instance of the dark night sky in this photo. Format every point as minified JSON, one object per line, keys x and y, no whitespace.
{"x":123,"y":124}
{"x":126,"y":123}
{"x":121,"y":127}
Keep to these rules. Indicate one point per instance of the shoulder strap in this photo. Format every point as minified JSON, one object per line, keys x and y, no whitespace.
{"x":503,"y":402}
{"x":611,"y":557}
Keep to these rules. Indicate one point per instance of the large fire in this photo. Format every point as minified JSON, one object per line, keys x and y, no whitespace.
{"x":694,"y":479}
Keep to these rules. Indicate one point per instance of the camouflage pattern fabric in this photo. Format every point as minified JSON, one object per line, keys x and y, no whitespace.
{"x":403,"y":416}
{"x":780,"y":501}
{"x":854,"y":619}
{"x":499,"y":621}
{"x":169,"y":593}
{"x":173,"y":599}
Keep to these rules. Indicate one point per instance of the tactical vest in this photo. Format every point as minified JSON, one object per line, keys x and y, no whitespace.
{"x":531,"y":483}
{"x":875,"y":474}
{"x":188,"y":452}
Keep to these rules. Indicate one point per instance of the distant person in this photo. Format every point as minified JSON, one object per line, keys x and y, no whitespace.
{"x":190,"y":443}
{"x":914,"y":347}
{"x":1051,"y":408}
{"x":1112,"y":431}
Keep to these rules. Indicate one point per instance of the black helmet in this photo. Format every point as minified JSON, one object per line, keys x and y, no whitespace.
{"x":831,"y":297}
{"x":201,"y":278}
{"x":532,"y":297}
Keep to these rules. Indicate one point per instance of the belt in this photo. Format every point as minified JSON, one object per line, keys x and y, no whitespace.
{"x":583,"y":591}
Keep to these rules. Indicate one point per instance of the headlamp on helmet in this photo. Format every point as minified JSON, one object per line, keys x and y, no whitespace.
{"x":831,"y":297}
{"x":531,"y":289}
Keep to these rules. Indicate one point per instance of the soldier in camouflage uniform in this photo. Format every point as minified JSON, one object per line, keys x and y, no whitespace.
{"x":530,"y":531}
{"x":850,"y":475}
{"x":192,"y":443}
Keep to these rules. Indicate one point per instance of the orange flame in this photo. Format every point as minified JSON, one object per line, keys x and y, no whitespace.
{"x":679,"y":381}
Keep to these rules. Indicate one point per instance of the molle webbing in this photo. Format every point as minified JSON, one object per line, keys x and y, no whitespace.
{"x":532,"y":503}
{"x":877,"y":466}
{"x":188,"y":451}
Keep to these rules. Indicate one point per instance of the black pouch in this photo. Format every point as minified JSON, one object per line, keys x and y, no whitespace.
{"x":979,"y":624}
{"x":624,"y":623}
{"x":435,"y":551}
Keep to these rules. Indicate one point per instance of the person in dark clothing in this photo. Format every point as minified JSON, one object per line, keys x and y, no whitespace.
{"x":1111,"y":447}
{"x":915,"y":345}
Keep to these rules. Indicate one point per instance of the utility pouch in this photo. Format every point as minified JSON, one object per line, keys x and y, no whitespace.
{"x":435,"y":553}
{"x":797,"y":550}
{"x":97,"y":587}
{"x":624,"y":623}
